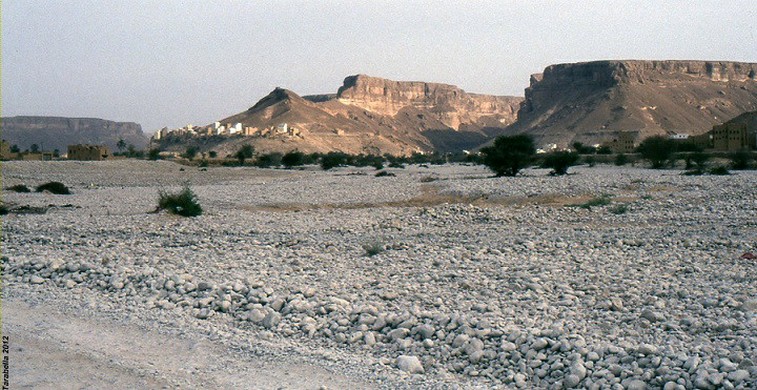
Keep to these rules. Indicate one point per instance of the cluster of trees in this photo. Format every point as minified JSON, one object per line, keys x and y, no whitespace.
{"x":507,"y":156}
{"x":511,"y":154}
{"x":246,"y":155}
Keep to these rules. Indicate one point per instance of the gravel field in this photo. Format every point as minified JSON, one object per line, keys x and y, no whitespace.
{"x":478,"y":282}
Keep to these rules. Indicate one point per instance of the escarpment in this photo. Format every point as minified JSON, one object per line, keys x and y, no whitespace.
{"x":447,"y":103}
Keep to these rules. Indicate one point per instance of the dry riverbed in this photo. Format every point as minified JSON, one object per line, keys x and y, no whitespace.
{"x":477,"y":282}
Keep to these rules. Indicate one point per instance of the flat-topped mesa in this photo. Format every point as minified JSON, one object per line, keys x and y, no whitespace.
{"x":593,"y":102}
{"x":608,"y":73}
{"x":450,"y":104}
{"x":53,"y":132}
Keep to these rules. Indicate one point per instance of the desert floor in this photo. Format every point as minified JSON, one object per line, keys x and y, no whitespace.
{"x":438,"y":277}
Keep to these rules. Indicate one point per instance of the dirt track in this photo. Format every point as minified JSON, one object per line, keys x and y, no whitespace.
{"x":50,"y":349}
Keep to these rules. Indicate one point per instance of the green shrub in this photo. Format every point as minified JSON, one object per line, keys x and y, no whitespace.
{"x":183,"y":203}
{"x":621,"y":160}
{"x":509,"y":155}
{"x":373,"y":248}
{"x":54,"y":187}
{"x":560,"y":162}
{"x":603,"y":200}
{"x":384,"y":174}
{"x":20,"y":188}
{"x":618,"y":209}
{"x":590,"y":161}
{"x":693,"y":172}
{"x":720,"y":170}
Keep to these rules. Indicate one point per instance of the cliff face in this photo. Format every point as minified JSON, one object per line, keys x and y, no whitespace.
{"x":449,"y":104}
{"x":592,"y":102}
{"x":57,"y":133}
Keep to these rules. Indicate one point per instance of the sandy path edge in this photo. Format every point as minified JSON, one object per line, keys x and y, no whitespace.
{"x":50,"y":349}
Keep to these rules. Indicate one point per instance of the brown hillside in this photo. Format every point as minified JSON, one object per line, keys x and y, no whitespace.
{"x":375,"y":116}
{"x":592,"y":102}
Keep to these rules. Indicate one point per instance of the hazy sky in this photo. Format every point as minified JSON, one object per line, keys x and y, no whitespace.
{"x":169,"y":63}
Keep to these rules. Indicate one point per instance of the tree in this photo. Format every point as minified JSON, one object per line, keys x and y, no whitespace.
{"x":132,"y":151}
{"x":190,"y":153}
{"x":657,"y":150}
{"x":739,"y":160}
{"x":34,"y":148}
{"x":15,"y":149}
{"x":583,"y":149}
{"x":269,"y":160}
{"x":121,"y":145}
{"x":212,"y":154}
{"x":509,"y":155}
{"x":293,"y":159}
{"x":621,"y":160}
{"x":560,"y":161}
{"x":333,"y":160}
{"x":245,"y":152}
{"x":700,"y":160}
{"x":154,"y":154}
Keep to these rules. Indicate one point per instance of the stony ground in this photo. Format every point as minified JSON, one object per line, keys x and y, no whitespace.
{"x":476,"y":282}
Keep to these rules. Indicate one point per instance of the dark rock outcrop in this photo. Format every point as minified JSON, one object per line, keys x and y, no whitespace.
{"x":594,"y":101}
{"x":52,"y":133}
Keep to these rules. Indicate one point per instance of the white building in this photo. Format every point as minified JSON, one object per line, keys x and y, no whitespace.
{"x":237,"y":128}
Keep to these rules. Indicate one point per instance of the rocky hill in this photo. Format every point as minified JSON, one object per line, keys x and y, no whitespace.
{"x":594,"y":101}
{"x":52,"y":133}
{"x":373,"y":116}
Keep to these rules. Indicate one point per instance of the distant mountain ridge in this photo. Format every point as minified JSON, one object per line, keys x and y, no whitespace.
{"x":50,"y":133}
{"x":592,"y":102}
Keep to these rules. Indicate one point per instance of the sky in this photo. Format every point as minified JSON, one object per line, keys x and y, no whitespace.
{"x":172,"y":63}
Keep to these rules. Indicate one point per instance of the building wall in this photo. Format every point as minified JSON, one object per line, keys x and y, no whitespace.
{"x":730,"y":137}
{"x":625,"y":142}
{"x":88,"y":152}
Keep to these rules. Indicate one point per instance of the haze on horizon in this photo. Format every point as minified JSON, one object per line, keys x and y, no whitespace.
{"x":170,"y":63}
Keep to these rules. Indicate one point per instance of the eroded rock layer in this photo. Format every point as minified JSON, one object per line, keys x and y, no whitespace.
{"x":448,"y":103}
